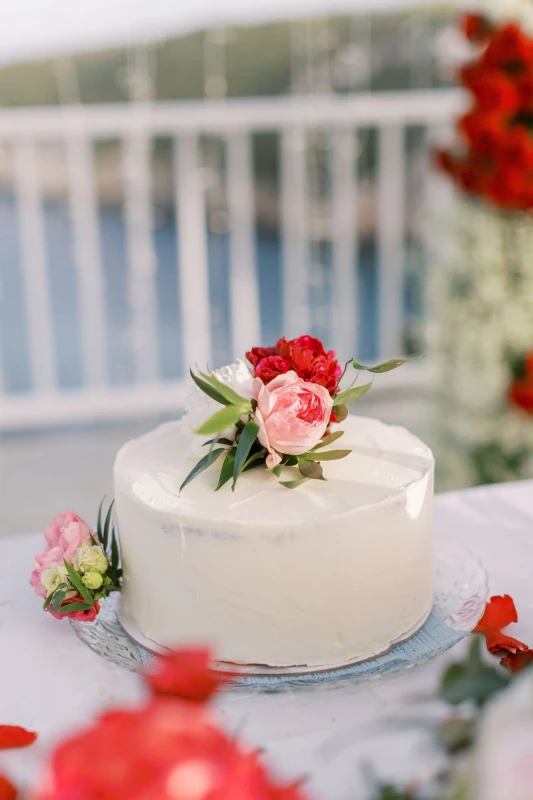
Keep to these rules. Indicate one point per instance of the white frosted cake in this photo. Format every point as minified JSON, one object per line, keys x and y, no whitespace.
{"x":332,"y":571}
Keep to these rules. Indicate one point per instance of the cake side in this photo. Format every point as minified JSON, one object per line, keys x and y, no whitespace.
{"x":320,"y":575}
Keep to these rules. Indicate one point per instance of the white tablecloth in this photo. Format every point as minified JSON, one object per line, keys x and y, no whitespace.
{"x":53,"y":684}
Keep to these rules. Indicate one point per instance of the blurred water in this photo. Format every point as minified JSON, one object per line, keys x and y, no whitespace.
{"x":62,"y":277}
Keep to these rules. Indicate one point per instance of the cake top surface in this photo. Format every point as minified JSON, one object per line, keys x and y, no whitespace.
{"x":385,"y":461}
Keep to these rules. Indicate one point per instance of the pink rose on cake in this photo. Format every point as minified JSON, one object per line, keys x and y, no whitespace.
{"x":292,"y":415}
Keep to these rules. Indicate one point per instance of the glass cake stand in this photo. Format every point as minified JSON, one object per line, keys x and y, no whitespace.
{"x":460,"y":595}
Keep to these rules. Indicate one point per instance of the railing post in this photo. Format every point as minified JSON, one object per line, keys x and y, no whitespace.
{"x":244,"y":291}
{"x":34,"y":266}
{"x":391,"y":238}
{"x":84,"y":205}
{"x":296,"y":317}
{"x":193,"y":263}
{"x":345,"y":307}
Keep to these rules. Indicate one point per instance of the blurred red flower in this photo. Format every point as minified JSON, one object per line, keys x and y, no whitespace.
{"x":186,"y":675}
{"x":169,"y":750}
{"x":475,"y":27}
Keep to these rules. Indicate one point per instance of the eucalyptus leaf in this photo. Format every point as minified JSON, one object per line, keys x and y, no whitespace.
{"x":48,"y":599}
{"x":57,"y":600}
{"x":277,"y":470}
{"x":75,"y":607}
{"x":78,"y":583}
{"x":221,"y":420}
{"x":107,"y":524}
{"x":386,"y":366}
{"x":99,"y":522}
{"x":225,"y":391}
{"x":226,"y":473}
{"x":341,"y":412}
{"x":294,"y":484}
{"x":209,"y":390}
{"x":202,"y":465}
{"x":352,"y":394}
{"x":246,"y":442}
{"x":311,"y":469}
{"x":326,"y":455}
{"x":328,"y":440}
{"x":256,"y":460}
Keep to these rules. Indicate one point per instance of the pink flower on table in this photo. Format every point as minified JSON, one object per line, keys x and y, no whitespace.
{"x":292,"y":415}
{"x":64,"y":536}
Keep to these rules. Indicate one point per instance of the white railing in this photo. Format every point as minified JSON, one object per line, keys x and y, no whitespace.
{"x":79,"y":128}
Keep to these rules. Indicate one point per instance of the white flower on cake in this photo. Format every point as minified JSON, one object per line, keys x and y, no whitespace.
{"x":199,"y":406}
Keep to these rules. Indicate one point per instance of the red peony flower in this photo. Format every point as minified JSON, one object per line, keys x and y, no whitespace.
{"x":521,"y":394}
{"x":270,"y":367}
{"x":493,"y":90}
{"x":13,"y":736}
{"x":509,"y":49}
{"x":185,"y":674}
{"x":516,"y":662}
{"x":255,"y":355}
{"x":88,"y":615}
{"x":7,"y":790}
{"x":518,"y":149}
{"x":305,"y":355}
{"x":169,"y":750}
{"x":476,"y":28}
{"x":499,"y":612}
{"x":484,"y":132}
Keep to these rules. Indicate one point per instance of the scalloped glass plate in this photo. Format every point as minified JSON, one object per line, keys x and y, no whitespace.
{"x":460,"y":595}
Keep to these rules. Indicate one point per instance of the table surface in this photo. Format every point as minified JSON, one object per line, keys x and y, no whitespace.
{"x":337,"y":737}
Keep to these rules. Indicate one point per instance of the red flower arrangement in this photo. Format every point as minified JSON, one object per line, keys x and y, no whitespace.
{"x":521,"y":389}
{"x":283,"y":421}
{"x":495,"y":161}
{"x":167,"y":750}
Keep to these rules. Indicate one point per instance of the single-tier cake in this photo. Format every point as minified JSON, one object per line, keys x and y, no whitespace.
{"x":334,"y":570}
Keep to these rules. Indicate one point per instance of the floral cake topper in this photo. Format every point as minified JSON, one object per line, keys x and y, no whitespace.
{"x":294,"y":397}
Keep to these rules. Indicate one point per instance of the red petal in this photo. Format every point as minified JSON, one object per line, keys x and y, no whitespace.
{"x":516,"y":662}
{"x":7,"y":790}
{"x":13,"y":736}
{"x":499,"y":612}
{"x":185,"y":674}
{"x":497,"y":641}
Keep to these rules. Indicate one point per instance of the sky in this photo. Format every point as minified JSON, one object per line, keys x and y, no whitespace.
{"x":33,"y":28}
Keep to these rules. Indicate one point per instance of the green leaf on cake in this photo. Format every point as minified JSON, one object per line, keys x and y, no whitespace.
{"x":99,"y":519}
{"x":277,"y":470}
{"x":326,"y":455}
{"x":78,"y":583}
{"x":311,"y":469}
{"x":57,"y":600}
{"x":294,"y":484}
{"x":255,"y":460}
{"x":352,"y":394}
{"x":386,"y":366}
{"x":226,"y":473}
{"x":328,"y":440}
{"x":225,"y":391}
{"x":218,"y":440}
{"x":341,"y":412}
{"x":209,"y":390}
{"x":202,"y":465}
{"x":246,"y":442}
{"x":221,"y":420}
